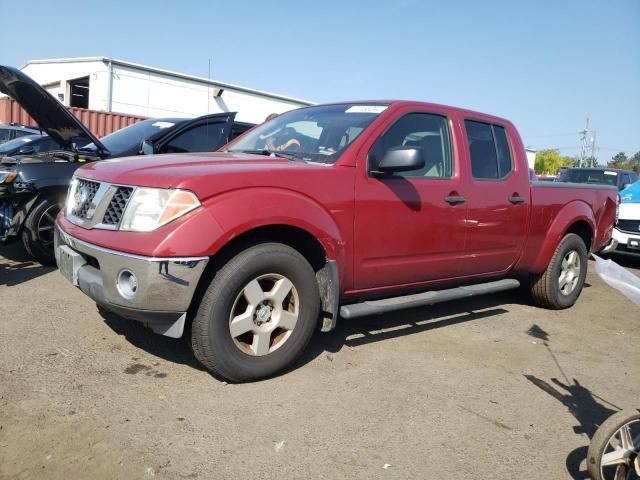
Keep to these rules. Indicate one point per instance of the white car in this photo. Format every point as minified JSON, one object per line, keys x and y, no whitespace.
{"x":627,"y":229}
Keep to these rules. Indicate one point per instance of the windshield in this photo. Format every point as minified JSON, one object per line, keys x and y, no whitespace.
{"x":595,"y":177}
{"x":133,"y":135}
{"x":317,"y":134}
{"x":16,"y":143}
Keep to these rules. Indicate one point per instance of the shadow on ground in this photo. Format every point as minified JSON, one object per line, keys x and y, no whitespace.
{"x":17,"y":267}
{"x":587,"y":408}
{"x":170,"y":349}
{"x":355,"y":333}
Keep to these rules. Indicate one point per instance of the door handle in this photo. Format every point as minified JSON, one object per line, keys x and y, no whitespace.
{"x":454,"y":199}
{"x":515,"y":199}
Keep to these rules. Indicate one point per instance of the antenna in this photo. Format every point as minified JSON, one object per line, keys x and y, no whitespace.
{"x":209,"y":87}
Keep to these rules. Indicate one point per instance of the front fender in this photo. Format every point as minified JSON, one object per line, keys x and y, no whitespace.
{"x":239,"y":211}
{"x":572,"y":212}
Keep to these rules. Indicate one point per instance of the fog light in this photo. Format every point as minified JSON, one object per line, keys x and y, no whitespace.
{"x":127,"y":284}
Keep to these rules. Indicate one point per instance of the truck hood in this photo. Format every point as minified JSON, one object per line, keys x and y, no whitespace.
{"x":199,"y":172}
{"x":50,"y":115}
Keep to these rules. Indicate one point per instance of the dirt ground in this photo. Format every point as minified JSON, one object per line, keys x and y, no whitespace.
{"x":486,"y":388}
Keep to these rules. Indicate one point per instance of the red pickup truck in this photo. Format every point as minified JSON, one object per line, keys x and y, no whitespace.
{"x":347,"y":209}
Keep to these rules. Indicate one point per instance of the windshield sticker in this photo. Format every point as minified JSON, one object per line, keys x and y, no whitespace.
{"x":163,"y":124}
{"x":25,"y":140}
{"x":366,"y":109}
{"x":610,"y":173}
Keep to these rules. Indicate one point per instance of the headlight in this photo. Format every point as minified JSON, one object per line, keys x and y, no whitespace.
{"x":150,"y":208}
{"x":8,"y":177}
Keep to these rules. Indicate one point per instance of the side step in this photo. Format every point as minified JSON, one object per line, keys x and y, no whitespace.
{"x":385,"y":305}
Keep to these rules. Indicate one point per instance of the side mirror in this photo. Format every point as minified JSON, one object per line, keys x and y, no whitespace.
{"x":147,"y":148}
{"x":400,"y":159}
{"x":625,"y":186}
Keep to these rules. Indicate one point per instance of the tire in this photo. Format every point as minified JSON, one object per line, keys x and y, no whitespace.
{"x":237,"y":296}
{"x":600,"y":443}
{"x":546,"y":288}
{"x":37,"y":231}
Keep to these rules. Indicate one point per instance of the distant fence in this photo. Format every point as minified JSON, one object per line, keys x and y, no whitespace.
{"x":99,"y":123}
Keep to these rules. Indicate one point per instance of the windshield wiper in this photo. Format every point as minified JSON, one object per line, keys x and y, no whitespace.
{"x":268,"y":153}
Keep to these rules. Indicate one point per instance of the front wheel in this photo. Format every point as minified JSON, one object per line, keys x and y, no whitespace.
{"x":613,"y":452}
{"x":257,"y":315}
{"x":559,"y":286}
{"x":37,"y":231}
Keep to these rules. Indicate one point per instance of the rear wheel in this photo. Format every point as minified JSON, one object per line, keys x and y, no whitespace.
{"x":257,"y":315}
{"x":559,"y":286}
{"x":37,"y":231}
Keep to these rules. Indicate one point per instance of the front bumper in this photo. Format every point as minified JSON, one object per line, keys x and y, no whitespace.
{"x":623,"y":244}
{"x":165,"y":286}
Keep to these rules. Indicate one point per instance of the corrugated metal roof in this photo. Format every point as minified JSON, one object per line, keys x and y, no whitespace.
{"x":147,"y":68}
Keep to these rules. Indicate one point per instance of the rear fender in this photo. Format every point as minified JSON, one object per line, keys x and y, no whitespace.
{"x":569,"y":215}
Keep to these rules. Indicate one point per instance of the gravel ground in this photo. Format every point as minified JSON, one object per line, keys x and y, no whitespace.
{"x":486,"y":388}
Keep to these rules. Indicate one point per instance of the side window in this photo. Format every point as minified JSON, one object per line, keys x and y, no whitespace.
{"x":489,"y":150}
{"x":203,"y":138}
{"x":5,"y":135}
{"x":22,"y":133}
{"x":426,"y":131}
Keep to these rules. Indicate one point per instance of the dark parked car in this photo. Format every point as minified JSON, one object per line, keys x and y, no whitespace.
{"x":33,"y":187}
{"x":27,"y":145}
{"x":599,"y":176}
{"x":14,"y":130}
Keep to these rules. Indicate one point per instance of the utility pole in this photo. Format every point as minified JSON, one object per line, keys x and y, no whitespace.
{"x":592,"y":160}
{"x":583,"y":141}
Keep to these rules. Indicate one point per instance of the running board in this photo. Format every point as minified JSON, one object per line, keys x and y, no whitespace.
{"x":375,"y":307}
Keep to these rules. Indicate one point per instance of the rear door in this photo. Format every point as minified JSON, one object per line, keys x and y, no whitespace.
{"x":410,"y":226}
{"x":498,"y":199}
{"x":203,"y":134}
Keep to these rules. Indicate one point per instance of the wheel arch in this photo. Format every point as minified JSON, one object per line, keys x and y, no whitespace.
{"x":575,"y":217}
{"x":299,"y":239}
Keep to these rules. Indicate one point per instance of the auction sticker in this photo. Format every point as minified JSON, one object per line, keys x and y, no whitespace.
{"x":366,"y":109}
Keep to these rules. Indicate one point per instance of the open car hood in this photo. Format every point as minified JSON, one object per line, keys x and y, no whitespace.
{"x":50,"y":115}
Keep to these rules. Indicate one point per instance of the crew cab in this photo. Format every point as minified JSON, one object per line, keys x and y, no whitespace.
{"x":340,"y":210}
{"x":34,"y":182}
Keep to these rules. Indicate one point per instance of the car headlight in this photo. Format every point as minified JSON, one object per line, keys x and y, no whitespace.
{"x":8,"y":177}
{"x":150,"y":208}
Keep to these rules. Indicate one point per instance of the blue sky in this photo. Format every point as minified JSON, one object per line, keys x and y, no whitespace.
{"x":546,"y":65}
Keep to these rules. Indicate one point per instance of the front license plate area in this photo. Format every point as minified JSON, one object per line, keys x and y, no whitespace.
{"x":634,"y":243}
{"x":70,"y":263}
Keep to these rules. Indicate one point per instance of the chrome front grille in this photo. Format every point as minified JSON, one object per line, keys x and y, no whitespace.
{"x":116,"y":207}
{"x":630,"y":226}
{"x":84,"y":194}
{"x":92,"y":204}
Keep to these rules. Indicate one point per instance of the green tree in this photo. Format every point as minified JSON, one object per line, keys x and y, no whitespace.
{"x":635,"y":162}
{"x":550,"y":161}
{"x":620,"y":160}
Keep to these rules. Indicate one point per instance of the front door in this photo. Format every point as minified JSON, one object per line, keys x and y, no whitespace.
{"x":203,"y":134}
{"x":410,"y":226}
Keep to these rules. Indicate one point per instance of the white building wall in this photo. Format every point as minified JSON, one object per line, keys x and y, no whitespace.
{"x":60,"y":73}
{"x":150,"y":93}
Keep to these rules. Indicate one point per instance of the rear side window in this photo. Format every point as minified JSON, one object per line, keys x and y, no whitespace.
{"x":489,"y":150}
